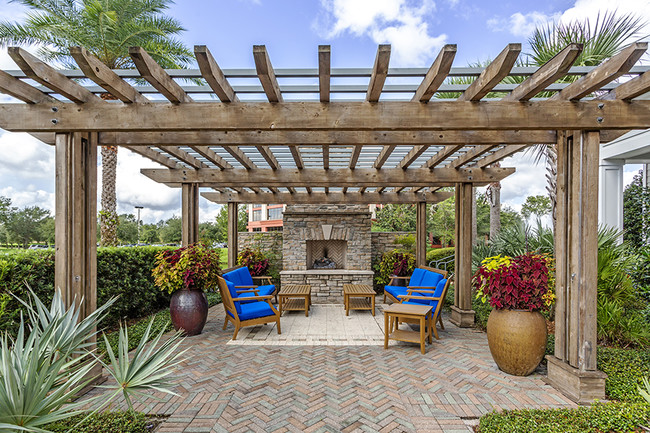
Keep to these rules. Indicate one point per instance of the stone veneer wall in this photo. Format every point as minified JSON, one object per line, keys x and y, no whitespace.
{"x":349,"y":223}
{"x":384,"y":241}
{"x":270,"y":243}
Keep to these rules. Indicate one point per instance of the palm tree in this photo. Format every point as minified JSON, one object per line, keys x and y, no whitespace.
{"x":605,"y":38}
{"x":106,"y":28}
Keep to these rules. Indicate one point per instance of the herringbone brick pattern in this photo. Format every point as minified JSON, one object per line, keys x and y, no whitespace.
{"x":232,"y":388}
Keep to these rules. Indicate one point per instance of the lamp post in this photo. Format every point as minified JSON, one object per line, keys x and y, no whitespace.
{"x":138,"y":222}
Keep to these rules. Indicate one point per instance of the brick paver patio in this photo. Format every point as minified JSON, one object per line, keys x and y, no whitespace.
{"x":332,"y":388}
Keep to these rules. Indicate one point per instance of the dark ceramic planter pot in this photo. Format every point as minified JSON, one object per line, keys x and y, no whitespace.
{"x":517,"y":340}
{"x":189,"y":311}
{"x":401,"y":282}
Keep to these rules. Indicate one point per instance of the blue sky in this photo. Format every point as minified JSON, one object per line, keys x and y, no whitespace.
{"x":292,"y":31}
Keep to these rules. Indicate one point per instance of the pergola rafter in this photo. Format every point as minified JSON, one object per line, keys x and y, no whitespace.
{"x":390,"y":143}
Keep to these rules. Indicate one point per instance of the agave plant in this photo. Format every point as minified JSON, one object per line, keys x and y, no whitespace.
{"x":48,"y":363}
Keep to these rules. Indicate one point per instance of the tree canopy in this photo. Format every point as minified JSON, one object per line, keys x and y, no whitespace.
{"x":538,"y":205}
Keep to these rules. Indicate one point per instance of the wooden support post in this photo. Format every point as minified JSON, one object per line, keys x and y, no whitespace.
{"x":421,"y":234}
{"x":462,"y":314}
{"x":233,"y":215}
{"x":573,"y":368}
{"x":189,"y":213}
{"x":76,"y":222}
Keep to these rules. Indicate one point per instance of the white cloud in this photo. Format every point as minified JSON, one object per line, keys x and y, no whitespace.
{"x":28,"y":157}
{"x":521,"y":25}
{"x":401,"y":23}
{"x":528,"y":179}
{"x":29,"y":196}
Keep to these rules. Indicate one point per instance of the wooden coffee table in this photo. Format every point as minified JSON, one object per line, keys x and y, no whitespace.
{"x":392,"y":315}
{"x":358,"y":297}
{"x":295,"y":297}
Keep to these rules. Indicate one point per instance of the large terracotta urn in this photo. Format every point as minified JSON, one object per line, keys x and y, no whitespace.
{"x":517,"y":340}
{"x":189,"y":310}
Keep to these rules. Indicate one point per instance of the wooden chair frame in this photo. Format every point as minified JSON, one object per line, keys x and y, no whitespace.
{"x":395,"y":277}
{"x":437,"y":317}
{"x":229,"y":306}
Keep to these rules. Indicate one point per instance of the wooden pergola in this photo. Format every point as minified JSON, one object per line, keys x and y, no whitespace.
{"x":394,"y":143}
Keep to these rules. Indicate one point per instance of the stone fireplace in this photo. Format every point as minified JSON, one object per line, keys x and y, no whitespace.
{"x":339,"y":233}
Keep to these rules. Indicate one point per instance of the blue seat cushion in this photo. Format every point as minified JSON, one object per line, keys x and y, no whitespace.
{"x":255,"y":310}
{"x":244,"y":276}
{"x":438,"y":292}
{"x":430,"y":279}
{"x":395,"y":291}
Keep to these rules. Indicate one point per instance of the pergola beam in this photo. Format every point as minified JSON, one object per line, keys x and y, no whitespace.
{"x":153,"y":155}
{"x":307,"y":116}
{"x":324,"y":70}
{"x":101,"y":74}
{"x":606,"y":72}
{"x":413,"y":154}
{"x":157,"y":77}
{"x":492,"y":75}
{"x":379,"y":73}
{"x":631,"y":89}
{"x":266,"y":74}
{"x":49,"y":77}
{"x":331,"y":197}
{"x":211,"y":156}
{"x":213,"y":74}
{"x":268,"y":156}
{"x":332,"y":137}
{"x":470,"y":155}
{"x":184,"y":157}
{"x":436,"y":74}
{"x":318,"y":177}
{"x":384,"y":154}
{"x":17,"y":88}
{"x":500,"y":154}
{"x":442,"y":154}
{"x":548,"y":73}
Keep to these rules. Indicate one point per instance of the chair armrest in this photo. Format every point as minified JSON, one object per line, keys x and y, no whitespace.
{"x":253,"y":298}
{"x":267,"y":277}
{"x":420,"y":290}
{"x":248,"y":291}
{"x":424,"y":298}
{"x":421,"y":287}
{"x":245,"y":287}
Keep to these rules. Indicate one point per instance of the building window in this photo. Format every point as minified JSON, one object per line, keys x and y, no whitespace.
{"x":274,"y":229}
{"x":257,"y":229}
{"x":257,"y":215}
{"x":275,"y":213}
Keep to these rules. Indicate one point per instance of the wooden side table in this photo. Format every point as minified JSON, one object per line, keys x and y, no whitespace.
{"x":422,"y":313}
{"x":295,"y":297}
{"x":358,"y":297}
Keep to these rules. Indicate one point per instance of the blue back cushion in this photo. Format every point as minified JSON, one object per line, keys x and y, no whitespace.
{"x":244,"y":276}
{"x":233,"y":277}
{"x":416,"y":278}
{"x":430,"y":279}
{"x":440,"y":287}
{"x":233,"y":295}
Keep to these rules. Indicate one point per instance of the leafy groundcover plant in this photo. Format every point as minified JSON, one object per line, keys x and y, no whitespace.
{"x":254,"y":260}
{"x":50,"y":360}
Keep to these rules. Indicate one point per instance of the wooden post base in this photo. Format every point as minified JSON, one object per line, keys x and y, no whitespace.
{"x":462,"y":318}
{"x":583,"y":387}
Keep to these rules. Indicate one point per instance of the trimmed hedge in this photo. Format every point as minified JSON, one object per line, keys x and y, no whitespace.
{"x":123,"y":272}
{"x":609,"y":417}
{"x":441,"y":253}
{"x":105,"y":422}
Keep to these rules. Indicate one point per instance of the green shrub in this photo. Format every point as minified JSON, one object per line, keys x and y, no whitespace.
{"x":385,"y":266}
{"x":123,"y":272}
{"x":407,"y":242}
{"x":625,"y":369}
{"x":441,"y":253}
{"x":104,"y":422}
{"x":609,"y":417}
{"x":620,"y":326}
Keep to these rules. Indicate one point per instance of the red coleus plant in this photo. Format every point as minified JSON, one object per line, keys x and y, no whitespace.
{"x":254,"y":260}
{"x":194,"y":267}
{"x":402,"y":264}
{"x":518,"y":283}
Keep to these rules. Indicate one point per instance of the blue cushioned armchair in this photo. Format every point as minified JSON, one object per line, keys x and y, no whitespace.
{"x":423,"y":283}
{"x":244,"y":284}
{"x":246,"y":310}
{"x":435,"y":298}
